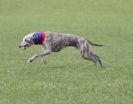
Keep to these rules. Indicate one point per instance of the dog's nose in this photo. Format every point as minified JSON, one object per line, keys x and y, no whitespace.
{"x":19,"y":46}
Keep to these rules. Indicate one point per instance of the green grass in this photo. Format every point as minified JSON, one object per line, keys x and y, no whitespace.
{"x":67,"y":78}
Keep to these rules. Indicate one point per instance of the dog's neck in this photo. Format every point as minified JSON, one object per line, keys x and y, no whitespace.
{"x":39,"y":38}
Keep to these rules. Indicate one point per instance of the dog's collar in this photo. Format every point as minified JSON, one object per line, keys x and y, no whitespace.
{"x":39,"y":38}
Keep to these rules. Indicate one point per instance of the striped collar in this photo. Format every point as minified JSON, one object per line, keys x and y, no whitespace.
{"x":39,"y":38}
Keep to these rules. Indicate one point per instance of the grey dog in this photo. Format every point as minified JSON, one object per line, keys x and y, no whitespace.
{"x":54,"y":42}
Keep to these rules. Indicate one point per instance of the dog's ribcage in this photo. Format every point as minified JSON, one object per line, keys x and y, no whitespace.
{"x":59,"y":41}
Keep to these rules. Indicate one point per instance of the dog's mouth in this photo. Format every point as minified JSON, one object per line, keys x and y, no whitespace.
{"x":24,"y":47}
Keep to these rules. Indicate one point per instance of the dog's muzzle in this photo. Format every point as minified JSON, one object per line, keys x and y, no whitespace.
{"x":24,"y":46}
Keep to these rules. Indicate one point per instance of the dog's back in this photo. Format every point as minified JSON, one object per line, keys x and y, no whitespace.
{"x":59,"y":40}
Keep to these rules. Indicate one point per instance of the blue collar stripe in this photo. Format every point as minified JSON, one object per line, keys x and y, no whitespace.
{"x":38,"y":34}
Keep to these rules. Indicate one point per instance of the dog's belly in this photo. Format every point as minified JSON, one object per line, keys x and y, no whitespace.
{"x":56,"y":48}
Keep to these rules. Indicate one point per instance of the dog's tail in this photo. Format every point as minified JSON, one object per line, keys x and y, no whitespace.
{"x":94,"y":44}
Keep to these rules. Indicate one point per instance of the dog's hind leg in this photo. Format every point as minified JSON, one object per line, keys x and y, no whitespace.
{"x":88,"y":55}
{"x":100,"y":62}
{"x":96,"y":59}
{"x":92,"y":57}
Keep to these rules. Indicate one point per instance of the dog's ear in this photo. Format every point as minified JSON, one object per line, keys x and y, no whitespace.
{"x":34,"y":36}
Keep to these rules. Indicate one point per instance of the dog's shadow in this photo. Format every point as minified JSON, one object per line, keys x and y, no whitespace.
{"x":56,"y":67}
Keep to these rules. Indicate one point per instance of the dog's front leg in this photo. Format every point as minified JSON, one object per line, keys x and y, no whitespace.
{"x":41,"y":54}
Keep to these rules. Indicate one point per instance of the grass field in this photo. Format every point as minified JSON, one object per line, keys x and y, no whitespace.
{"x":67,"y":78}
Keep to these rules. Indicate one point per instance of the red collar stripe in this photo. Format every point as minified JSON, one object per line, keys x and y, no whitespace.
{"x":40,"y":38}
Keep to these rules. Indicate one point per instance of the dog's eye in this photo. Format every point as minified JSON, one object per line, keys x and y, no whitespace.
{"x":26,"y":40}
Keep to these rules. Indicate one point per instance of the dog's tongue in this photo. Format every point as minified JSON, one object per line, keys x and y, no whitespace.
{"x":40,"y":38}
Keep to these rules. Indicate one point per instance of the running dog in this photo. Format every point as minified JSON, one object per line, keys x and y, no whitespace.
{"x":54,"y":42}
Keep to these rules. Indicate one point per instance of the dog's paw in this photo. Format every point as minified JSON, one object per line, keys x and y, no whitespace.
{"x":30,"y":60}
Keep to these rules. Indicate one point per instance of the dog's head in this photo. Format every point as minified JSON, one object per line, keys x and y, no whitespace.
{"x":27,"y":41}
